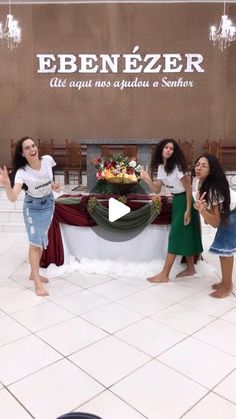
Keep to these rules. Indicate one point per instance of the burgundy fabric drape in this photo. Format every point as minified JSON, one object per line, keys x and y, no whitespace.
{"x":77,"y":215}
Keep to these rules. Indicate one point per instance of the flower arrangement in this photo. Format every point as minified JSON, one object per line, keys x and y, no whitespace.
{"x":117,"y":169}
{"x":157,"y":203}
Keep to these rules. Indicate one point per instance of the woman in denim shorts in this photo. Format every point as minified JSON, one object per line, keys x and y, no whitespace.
{"x":213,"y":203}
{"x":36,"y":174}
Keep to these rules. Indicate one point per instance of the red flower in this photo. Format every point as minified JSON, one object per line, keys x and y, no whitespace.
{"x":108,"y":165}
{"x":99,"y":175}
{"x":130,"y":171}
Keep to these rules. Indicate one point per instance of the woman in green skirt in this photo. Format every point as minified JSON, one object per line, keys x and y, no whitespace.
{"x":185,"y":233}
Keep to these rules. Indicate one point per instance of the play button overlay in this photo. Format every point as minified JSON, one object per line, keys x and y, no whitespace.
{"x":116,"y":210}
{"x":113,"y":232}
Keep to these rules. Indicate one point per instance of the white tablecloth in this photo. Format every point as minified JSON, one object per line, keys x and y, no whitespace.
{"x":86,"y":252}
{"x":87,"y":242}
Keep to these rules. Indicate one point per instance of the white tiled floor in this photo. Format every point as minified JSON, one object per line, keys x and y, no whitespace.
{"x":119,"y":348}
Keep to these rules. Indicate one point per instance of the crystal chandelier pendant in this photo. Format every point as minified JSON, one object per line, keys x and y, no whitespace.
{"x":1,"y":31}
{"x":225,"y":34}
{"x":11,"y":32}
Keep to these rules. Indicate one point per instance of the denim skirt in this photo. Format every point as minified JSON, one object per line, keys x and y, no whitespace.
{"x":224,"y":243}
{"x":38,"y":213}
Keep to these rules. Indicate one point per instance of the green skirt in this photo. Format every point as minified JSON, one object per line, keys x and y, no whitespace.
{"x":184,"y":240}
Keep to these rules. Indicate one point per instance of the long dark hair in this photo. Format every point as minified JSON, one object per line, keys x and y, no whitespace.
{"x":19,"y":161}
{"x":216,"y":186}
{"x":177,"y":158}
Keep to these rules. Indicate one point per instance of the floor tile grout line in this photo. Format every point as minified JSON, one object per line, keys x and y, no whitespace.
{"x":195,"y":404}
{"x":128,"y":404}
{"x":33,"y":372}
{"x":211,"y":392}
{"x":18,"y":401}
{"x":215,"y":347}
{"x":194,"y":380}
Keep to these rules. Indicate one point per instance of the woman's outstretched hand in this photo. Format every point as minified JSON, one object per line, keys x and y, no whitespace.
{"x":4,"y":178}
{"x":56,"y":187}
{"x":187,"y":218}
{"x":145,"y":176}
{"x":200,"y":203}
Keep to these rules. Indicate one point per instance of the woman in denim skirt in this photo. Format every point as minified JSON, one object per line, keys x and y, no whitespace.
{"x":213,"y":203}
{"x":36,"y":174}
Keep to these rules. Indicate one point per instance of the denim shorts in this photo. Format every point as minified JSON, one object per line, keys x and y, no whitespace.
{"x":224,"y":243}
{"x":38,"y":214}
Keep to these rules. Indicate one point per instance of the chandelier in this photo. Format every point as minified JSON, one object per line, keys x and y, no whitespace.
{"x":11,"y":32}
{"x":225,"y":34}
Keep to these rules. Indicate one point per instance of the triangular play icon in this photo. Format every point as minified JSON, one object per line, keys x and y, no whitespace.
{"x":116,"y":210}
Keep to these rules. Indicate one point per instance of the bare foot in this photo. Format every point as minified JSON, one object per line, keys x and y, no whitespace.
{"x":221,"y":292}
{"x":158,"y":278}
{"x":40,"y":291}
{"x":186,"y":272}
{"x":216,"y":285}
{"x":42,"y":279}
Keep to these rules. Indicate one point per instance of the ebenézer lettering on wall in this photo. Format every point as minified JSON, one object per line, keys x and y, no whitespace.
{"x":106,"y":64}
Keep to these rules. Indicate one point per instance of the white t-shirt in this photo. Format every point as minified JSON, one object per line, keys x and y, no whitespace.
{"x":39,"y":182}
{"x":172,"y":180}
{"x":195,"y":189}
{"x":232,"y":199}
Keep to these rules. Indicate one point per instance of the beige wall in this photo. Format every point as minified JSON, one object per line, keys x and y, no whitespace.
{"x":29,"y":106}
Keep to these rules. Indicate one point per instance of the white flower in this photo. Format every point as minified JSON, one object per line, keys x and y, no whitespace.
{"x":138,"y":168}
{"x":132,"y":163}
